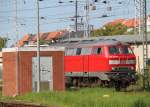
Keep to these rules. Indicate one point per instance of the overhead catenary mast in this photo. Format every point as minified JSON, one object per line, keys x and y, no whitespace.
{"x":89,"y":6}
{"x":137,"y":17}
{"x":143,"y":22}
{"x":76,"y":16}
{"x":141,"y":13}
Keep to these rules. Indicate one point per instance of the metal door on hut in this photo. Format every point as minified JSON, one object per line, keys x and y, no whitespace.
{"x":46,"y":74}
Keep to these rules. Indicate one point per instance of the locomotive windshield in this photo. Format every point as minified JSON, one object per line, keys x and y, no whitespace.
{"x":126,"y":50}
{"x":120,"y":50}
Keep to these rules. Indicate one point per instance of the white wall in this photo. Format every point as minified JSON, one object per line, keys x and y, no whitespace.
{"x":148,"y":24}
{"x":139,"y":56}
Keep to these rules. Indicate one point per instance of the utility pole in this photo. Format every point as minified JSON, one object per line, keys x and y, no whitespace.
{"x":17,"y":44}
{"x":76,"y":16}
{"x":38,"y":46}
{"x":87,"y":27}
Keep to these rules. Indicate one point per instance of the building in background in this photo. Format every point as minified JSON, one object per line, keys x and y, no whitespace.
{"x":50,"y":37}
{"x":1,"y":64}
{"x":20,"y":70}
{"x":130,"y":23}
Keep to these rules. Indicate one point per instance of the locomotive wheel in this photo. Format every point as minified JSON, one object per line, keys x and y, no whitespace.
{"x":75,"y":82}
{"x":99,"y":82}
{"x":121,"y":85}
{"x":118,"y":85}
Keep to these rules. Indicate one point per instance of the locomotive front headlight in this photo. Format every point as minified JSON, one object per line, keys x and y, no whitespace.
{"x":131,"y":61}
{"x":114,"y":62}
{"x":113,"y":68}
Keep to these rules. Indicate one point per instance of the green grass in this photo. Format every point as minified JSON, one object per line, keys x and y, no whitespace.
{"x":89,"y":97}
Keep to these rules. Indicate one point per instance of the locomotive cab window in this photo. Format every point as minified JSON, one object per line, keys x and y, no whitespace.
{"x":78,"y":51}
{"x":70,"y":51}
{"x":98,"y":50}
{"x":86,"y":51}
{"x":114,"y":50}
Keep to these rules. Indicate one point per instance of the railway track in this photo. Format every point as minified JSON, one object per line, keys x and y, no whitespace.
{"x":19,"y":104}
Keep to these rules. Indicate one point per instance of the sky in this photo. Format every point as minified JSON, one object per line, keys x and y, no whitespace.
{"x":55,"y":16}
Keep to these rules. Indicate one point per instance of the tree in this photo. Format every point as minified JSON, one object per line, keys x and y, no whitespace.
{"x":108,"y":30}
{"x":3,"y":42}
{"x":42,"y":42}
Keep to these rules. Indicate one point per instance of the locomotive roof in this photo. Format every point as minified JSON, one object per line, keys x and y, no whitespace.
{"x":90,"y":42}
{"x":131,"y":39}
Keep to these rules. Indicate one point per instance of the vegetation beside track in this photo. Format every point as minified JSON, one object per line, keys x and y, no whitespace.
{"x":89,"y":97}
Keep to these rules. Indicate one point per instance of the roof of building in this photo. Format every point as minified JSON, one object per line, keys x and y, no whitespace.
{"x":127,"y":22}
{"x":20,"y":43}
{"x":34,"y":37}
{"x":71,"y":37}
{"x":116,"y":22}
{"x":54,"y":35}
{"x":26,"y":37}
{"x":45,"y":36}
{"x":46,"y":48}
{"x":130,"y":23}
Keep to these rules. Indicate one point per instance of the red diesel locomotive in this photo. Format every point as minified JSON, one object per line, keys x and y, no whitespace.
{"x":99,"y":62}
